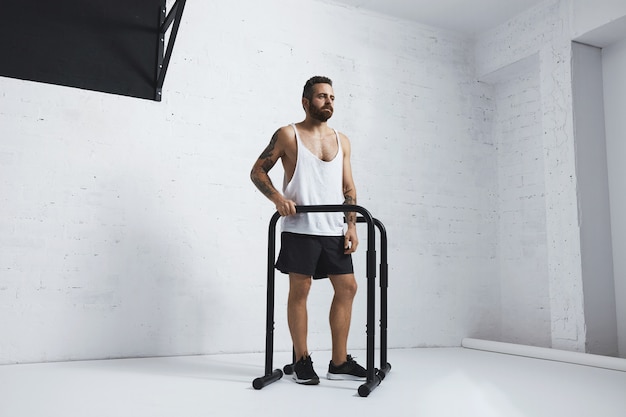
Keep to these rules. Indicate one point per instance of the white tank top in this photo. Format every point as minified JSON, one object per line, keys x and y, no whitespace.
{"x":315,"y":182}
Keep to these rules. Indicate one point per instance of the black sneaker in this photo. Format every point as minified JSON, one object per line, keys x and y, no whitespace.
{"x":349,"y":370}
{"x":303,"y":372}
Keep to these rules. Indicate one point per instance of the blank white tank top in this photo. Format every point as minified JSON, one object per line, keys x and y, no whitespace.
{"x":315,"y":182}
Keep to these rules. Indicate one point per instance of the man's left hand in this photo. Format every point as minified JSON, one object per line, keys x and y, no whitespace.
{"x":350,"y":241}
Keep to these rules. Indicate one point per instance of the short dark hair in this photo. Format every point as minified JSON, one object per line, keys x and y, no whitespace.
{"x":307,"y":92}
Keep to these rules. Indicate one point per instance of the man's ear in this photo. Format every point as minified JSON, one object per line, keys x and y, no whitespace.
{"x":305,"y":103}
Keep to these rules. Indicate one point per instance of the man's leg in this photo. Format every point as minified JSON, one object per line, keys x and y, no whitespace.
{"x":341,"y":314}
{"x":297,"y":318}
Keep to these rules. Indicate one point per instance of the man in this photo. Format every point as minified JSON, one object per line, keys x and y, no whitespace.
{"x":317,"y":170}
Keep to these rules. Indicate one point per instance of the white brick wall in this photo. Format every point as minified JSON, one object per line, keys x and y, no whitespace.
{"x":522,"y":251}
{"x":544,"y":30}
{"x":131,"y":228}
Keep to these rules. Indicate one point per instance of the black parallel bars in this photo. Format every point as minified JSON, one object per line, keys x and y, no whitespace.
{"x":374,"y":376}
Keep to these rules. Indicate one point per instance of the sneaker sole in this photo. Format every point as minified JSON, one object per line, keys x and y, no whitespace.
{"x":306,"y":381}
{"x":344,"y":377}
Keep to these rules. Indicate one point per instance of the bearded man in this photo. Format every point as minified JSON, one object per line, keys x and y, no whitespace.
{"x":317,"y":170}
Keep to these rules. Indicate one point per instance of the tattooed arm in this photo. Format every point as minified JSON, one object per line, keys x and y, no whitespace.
{"x":349,"y":193}
{"x":279,"y":147}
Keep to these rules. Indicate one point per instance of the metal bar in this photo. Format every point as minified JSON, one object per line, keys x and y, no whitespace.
{"x":262,"y":381}
{"x":385,"y":367}
{"x":170,"y":18}
{"x":271,"y":275}
{"x":374,"y":376}
{"x":384,"y":284}
{"x":180,"y":6}
{"x":365,"y":389}
{"x":160,"y":47}
{"x":371,"y":319}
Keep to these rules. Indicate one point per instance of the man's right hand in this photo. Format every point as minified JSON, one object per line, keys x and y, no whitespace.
{"x":286,"y":207}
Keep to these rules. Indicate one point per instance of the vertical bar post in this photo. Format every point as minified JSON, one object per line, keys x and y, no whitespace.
{"x":385,"y":367}
{"x":271,"y":281}
{"x":270,"y":374}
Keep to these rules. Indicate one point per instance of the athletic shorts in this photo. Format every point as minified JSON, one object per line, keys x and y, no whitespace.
{"x":316,"y":256}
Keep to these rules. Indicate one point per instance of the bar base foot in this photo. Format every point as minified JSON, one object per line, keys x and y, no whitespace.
{"x":265,"y":380}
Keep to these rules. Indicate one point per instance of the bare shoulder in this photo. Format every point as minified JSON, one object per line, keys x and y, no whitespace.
{"x":343,"y":137}
{"x":284,"y":143}
{"x":345,"y":142}
{"x":284,"y":137}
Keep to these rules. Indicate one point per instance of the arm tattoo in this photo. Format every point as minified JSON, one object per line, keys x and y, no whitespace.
{"x":264,"y":184}
{"x":350,"y":215}
{"x":267,"y":153}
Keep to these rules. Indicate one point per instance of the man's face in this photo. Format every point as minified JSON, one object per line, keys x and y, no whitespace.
{"x":321,"y":104}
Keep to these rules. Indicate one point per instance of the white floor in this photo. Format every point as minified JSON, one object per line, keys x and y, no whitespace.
{"x":422,"y":382}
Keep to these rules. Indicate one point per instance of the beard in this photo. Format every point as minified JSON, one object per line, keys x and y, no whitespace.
{"x":321,"y":113}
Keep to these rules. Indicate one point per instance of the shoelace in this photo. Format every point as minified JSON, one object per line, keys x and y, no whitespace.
{"x":351,"y":359}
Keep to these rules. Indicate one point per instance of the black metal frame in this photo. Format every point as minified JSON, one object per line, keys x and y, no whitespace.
{"x":163,"y":61}
{"x":374,"y":376}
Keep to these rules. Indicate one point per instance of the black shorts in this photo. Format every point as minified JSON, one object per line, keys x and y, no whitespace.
{"x":316,"y":256}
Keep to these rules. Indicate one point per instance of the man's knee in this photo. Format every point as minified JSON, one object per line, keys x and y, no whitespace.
{"x":345,"y":285}
{"x":299,"y":286}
